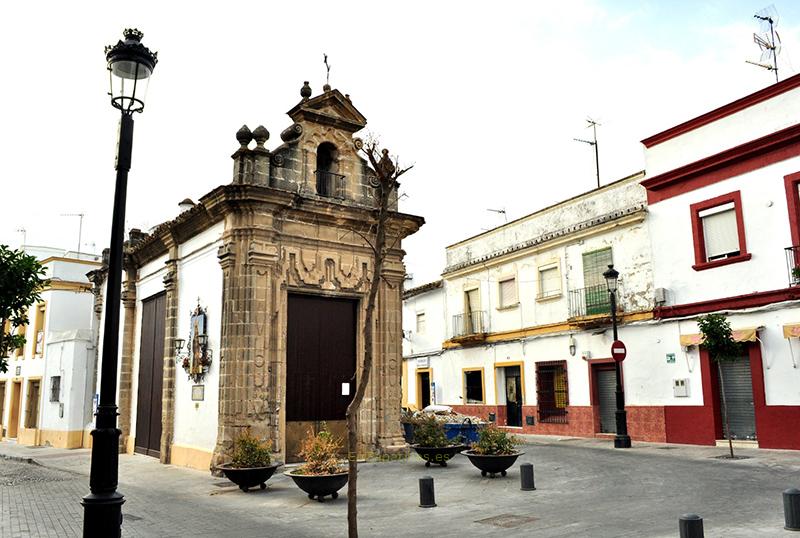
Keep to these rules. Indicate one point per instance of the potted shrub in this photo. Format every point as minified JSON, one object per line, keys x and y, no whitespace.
{"x":251,"y":464}
{"x":494,"y":452}
{"x":431,"y":443}
{"x":322,"y":473}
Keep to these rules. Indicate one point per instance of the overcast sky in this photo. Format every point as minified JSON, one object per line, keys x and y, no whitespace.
{"x":484,"y":98}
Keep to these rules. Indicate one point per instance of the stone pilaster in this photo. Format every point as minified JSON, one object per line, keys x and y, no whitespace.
{"x":170,"y":333}
{"x":247,"y":377}
{"x":126,"y":357}
{"x":389,"y":355}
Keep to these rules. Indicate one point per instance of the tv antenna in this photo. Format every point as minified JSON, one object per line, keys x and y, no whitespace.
{"x":80,"y":227}
{"x":500,"y":212}
{"x":769,"y":41}
{"x":593,"y":124}
{"x":328,"y":69}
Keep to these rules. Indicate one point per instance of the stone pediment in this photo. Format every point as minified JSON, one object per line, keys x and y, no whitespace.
{"x":330,"y":108}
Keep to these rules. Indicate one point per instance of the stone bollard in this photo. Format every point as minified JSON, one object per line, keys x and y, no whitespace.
{"x":791,"y":509}
{"x":426,"y":495}
{"x":526,"y":477}
{"x":691,"y":526}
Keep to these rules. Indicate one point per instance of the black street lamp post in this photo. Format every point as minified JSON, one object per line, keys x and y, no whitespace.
{"x":621,"y":439}
{"x":130,"y":65}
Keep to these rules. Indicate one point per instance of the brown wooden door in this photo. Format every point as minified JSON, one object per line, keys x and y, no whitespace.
{"x":151,"y":376}
{"x":320,"y":358}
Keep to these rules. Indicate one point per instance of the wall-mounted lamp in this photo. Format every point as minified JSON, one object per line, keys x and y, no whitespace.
{"x":202,"y":339}
{"x":179,"y":343}
{"x":572,"y":346}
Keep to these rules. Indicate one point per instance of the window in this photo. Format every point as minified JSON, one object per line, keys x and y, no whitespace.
{"x":595,"y":291}
{"x":32,"y":407}
{"x":552,"y":391}
{"x":2,"y":402}
{"x":473,"y":386}
{"x":329,"y":182}
{"x":55,"y":388}
{"x":421,"y":323}
{"x":41,"y":308}
{"x":718,"y":231}
{"x":549,"y":281}
{"x":508,"y":293}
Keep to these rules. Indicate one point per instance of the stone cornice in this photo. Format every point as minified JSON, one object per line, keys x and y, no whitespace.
{"x":226,"y":199}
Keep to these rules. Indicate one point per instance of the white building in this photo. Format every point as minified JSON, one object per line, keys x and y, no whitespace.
{"x":723,"y":201}
{"x":46,"y":395}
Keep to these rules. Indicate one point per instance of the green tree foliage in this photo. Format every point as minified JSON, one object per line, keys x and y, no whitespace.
{"x":718,"y":337}
{"x":21,"y":284}
{"x":428,"y":432}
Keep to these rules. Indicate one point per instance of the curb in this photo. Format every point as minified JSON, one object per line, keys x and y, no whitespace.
{"x":22,"y":459}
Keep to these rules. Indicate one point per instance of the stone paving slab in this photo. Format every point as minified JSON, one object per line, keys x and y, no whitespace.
{"x":584,"y":489}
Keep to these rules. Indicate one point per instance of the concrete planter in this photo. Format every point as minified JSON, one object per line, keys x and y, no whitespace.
{"x":492,"y":464}
{"x":319,"y":486}
{"x":439,"y":455}
{"x":248,"y":477}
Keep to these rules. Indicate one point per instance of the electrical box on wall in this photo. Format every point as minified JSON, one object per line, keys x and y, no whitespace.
{"x":680,"y":388}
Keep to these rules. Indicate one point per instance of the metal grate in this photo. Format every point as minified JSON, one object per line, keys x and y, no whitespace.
{"x":470,"y":323}
{"x":793,"y":264}
{"x":330,"y":184}
{"x":552,"y":391}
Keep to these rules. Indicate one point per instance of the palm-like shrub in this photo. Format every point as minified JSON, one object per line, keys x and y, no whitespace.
{"x":249,"y":451}
{"x":492,"y":441}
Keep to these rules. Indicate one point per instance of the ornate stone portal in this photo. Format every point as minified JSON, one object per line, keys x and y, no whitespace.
{"x":295,"y":219}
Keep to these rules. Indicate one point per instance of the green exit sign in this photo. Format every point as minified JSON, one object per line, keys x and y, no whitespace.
{"x":670,"y":358}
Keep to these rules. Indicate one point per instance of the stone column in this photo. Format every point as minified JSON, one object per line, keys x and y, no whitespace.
{"x":126,"y":356}
{"x":170,"y":333}
{"x":251,"y":294}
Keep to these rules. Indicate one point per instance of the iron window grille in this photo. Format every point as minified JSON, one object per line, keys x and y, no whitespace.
{"x":552,"y":391}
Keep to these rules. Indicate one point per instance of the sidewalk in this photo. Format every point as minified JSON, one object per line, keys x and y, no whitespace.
{"x":585,"y":488}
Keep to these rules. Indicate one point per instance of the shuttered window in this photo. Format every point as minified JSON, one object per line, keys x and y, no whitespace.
{"x":552,"y":391}
{"x":594,"y":265}
{"x":720,"y":233}
{"x":549,"y":282}
{"x":508,"y":292}
{"x":421,"y":323}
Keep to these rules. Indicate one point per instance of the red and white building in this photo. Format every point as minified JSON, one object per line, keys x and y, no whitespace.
{"x":722,"y":192}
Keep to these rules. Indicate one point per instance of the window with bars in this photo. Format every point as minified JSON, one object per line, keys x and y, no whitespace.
{"x":55,"y":388}
{"x":552,"y":391}
{"x":508,"y":292}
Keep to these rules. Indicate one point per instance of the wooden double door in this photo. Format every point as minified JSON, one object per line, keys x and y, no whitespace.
{"x":151,"y":376}
{"x":320,"y":366}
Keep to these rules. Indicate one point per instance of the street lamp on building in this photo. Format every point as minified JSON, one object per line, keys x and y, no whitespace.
{"x":130,"y":65}
{"x":621,"y":439}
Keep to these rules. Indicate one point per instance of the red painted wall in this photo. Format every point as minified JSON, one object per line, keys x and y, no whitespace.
{"x":689,"y":424}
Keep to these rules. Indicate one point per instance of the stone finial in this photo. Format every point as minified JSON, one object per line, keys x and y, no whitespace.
{"x":244,"y":136}
{"x":326,"y":88}
{"x":261,"y":135}
{"x":305,"y":91}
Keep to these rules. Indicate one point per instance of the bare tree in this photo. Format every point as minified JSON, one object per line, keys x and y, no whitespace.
{"x":385,"y":184}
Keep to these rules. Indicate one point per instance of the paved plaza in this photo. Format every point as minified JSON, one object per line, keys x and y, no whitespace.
{"x":584,"y":489}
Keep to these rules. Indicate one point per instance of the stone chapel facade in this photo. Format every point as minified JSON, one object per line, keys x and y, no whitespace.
{"x":275,"y":264}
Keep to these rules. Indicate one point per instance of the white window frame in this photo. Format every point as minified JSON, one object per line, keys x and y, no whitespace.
{"x":540,"y":296}
{"x":422,"y":315}
{"x":500,"y":281}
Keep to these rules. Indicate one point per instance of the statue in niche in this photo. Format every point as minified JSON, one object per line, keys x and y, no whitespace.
{"x":198,"y":358}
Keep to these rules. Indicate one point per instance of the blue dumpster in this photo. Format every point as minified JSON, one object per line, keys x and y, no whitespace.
{"x":467,"y":430}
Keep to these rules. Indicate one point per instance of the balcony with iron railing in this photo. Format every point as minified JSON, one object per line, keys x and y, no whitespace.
{"x":470,"y":326}
{"x":330,"y":184}
{"x":592,"y":302}
{"x":793,"y":265}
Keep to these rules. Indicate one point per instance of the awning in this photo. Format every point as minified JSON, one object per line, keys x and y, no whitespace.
{"x":739,"y":335}
{"x":791,"y":330}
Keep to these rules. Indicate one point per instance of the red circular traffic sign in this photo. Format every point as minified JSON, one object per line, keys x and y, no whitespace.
{"x":618,"y":351}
